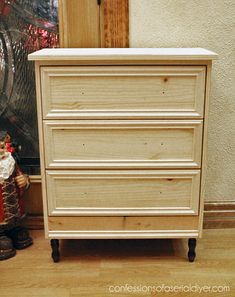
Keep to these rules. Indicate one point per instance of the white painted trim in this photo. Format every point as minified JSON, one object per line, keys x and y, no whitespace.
{"x":134,"y":54}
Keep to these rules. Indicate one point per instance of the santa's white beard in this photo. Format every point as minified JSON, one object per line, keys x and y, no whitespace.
{"x":7,"y":166}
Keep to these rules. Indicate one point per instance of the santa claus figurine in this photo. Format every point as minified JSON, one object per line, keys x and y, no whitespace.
{"x":12,"y":185}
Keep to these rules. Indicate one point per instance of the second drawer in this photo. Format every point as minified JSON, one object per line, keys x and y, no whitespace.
{"x":123,"y":144}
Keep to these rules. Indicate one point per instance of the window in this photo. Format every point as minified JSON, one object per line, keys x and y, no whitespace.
{"x":25,"y":26}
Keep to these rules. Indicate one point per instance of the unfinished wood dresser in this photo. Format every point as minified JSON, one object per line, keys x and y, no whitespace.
{"x":123,"y":142}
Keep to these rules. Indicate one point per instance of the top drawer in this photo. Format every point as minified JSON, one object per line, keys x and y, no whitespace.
{"x":122,"y":91}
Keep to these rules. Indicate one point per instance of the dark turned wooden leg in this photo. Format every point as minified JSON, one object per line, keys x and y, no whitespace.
{"x":191,"y":249}
{"x":55,"y":250}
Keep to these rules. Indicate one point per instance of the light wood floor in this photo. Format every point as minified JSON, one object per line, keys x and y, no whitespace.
{"x":89,"y":267}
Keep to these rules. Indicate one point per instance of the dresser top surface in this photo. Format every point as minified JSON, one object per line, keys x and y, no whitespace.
{"x":121,"y":54}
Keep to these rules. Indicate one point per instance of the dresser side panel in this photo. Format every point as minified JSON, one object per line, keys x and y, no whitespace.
{"x":204,"y":147}
{"x":41,"y":144}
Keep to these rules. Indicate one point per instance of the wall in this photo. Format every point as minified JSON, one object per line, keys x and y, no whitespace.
{"x":199,"y":23}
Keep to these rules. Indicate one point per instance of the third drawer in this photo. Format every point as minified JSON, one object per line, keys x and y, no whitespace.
{"x":122,"y":192}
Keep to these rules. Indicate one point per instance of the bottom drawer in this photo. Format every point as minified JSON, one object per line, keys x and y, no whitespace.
{"x":123,"y":227}
{"x":122,"y":192}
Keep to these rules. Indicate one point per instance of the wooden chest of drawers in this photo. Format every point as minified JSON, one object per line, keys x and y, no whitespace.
{"x":123,"y":142}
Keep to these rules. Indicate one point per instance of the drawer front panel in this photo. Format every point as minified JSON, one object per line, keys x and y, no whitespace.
{"x":122,"y":91}
{"x":123,"y":144}
{"x":123,"y":227}
{"x":123,"y":192}
{"x":123,"y":223}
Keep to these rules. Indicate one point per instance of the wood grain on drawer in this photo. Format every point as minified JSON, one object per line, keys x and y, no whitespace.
{"x":123,"y":223}
{"x":123,"y":227}
{"x":123,"y":192}
{"x":122,"y":91}
{"x":76,"y":144}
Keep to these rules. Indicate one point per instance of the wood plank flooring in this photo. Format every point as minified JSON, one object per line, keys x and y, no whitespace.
{"x":94,"y":267}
